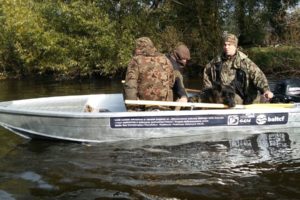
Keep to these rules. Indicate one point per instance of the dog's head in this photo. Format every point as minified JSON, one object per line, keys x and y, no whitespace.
{"x":228,"y":95}
{"x":219,"y":94}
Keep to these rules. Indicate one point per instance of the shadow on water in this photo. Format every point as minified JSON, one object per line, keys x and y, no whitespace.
{"x":261,"y":166}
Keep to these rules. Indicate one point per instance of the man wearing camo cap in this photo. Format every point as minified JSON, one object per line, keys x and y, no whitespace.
{"x":179,"y":58}
{"x":149,"y":74}
{"x":235,"y":69}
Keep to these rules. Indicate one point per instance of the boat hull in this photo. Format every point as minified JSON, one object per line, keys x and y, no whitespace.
{"x":70,"y":125}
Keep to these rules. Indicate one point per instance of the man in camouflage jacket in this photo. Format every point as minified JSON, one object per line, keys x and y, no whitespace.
{"x":149,"y":74}
{"x":235,"y":69}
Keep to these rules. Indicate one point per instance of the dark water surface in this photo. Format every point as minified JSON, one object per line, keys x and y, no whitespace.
{"x":245,"y":166}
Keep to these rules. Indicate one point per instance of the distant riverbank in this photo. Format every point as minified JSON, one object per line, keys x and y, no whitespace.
{"x":279,"y":62}
{"x":276,"y":62}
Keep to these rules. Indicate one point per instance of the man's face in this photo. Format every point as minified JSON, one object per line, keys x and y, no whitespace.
{"x":229,"y":48}
{"x":183,"y":62}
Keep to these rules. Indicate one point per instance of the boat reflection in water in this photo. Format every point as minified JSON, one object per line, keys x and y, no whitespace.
{"x":263,"y":147}
{"x":211,"y":155}
{"x":196,"y":154}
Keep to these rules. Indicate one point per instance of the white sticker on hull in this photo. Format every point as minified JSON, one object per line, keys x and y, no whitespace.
{"x":199,"y":120}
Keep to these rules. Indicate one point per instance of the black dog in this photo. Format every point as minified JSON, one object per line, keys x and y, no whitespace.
{"x":223,"y":94}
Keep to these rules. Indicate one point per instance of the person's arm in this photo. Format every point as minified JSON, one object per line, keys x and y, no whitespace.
{"x":171,"y":73}
{"x":131,"y":81}
{"x":259,"y":80}
{"x":206,"y":76}
{"x":179,"y":88}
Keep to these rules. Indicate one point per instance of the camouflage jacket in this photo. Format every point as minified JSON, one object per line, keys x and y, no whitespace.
{"x":254,"y":80}
{"x":149,"y":77}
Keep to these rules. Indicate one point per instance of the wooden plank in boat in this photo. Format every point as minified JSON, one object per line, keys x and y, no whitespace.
{"x":208,"y":105}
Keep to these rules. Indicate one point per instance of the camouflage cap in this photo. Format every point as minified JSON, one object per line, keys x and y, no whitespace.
{"x":231,"y":38}
{"x":182,"y":52}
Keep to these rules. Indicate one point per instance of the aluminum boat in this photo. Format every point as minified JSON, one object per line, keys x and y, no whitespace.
{"x":64,"y":118}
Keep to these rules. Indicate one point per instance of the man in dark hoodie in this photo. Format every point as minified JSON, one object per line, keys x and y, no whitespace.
{"x":179,"y":58}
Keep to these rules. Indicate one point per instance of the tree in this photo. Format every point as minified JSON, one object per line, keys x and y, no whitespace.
{"x":292,"y":32}
{"x":81,"y":38}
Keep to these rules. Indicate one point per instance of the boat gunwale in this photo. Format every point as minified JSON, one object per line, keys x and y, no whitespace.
{"x":5,"y":107}
{"x":69,"y":114}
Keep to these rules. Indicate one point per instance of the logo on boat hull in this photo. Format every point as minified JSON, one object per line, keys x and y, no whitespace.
{"x":233,"y":120}
{"x":261,"y":119}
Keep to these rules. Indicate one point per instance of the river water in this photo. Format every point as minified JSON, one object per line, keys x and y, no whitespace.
{"x":254,"y":166}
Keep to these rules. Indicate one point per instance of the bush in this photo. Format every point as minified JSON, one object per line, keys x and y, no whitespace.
{"x":281,"y":61}
{"x":69,"y":39}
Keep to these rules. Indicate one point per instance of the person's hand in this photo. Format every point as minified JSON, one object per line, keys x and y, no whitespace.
{"x":183,"y":99}
{"x":268,"y":95}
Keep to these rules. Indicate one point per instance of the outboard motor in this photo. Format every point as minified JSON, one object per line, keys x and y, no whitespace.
{"x":286,"y":91}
